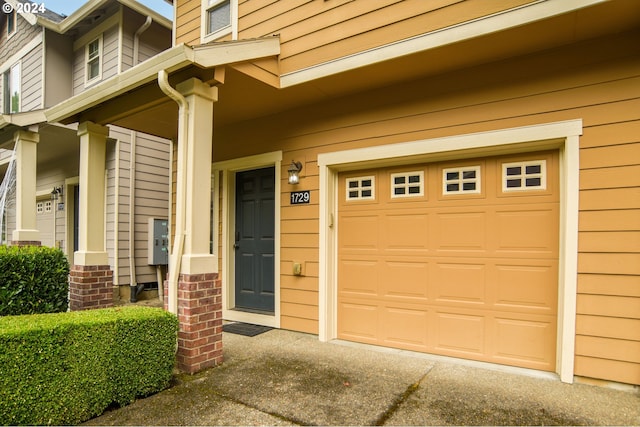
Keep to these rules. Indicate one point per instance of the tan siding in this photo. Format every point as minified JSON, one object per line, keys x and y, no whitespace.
{"x":313,"y":32}
{"x":188,"y":22}
{"x":590,"y":81}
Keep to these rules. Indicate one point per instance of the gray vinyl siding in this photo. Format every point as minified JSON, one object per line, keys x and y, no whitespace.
{"x":32,"y":80}
{"x":58,"y":68}
{"x":109,"y":60}
{"x":110,"y":53}
{"x":50,"y":175}
{"x":11,"y":45}
{"x":151,"y":200}
{"x":152,"y":41}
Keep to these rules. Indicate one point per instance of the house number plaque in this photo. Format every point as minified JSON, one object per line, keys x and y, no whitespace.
{"x":300,"y":197}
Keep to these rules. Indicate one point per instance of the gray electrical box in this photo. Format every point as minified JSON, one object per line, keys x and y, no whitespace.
{"x":158,"y":248}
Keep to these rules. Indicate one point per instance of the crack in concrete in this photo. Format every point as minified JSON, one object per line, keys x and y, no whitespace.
{"x":382,"y":419}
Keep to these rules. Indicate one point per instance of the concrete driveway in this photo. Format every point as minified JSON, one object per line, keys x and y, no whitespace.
{"x":289,"y":378}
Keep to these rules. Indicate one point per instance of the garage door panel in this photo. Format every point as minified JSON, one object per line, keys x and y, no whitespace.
{"x":359,"y":232}
{"x":460,"y":333}
{"x":358,"y":321}
{"x":461,"y":231}
{"x":529,"y":287}
{"x":469,"y":274}
{"x":527,"y":230}
{"x":525,"y":342}
{"x":406,"y":231}
{"x":359,"y":276}
{"x":459,"y":282}
{"x":405,"y":328}
{"x":405,"y":280}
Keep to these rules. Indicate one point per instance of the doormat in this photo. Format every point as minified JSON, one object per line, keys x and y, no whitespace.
{"x":246,"y":329}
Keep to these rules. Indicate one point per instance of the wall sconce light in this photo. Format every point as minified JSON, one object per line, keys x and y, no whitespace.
{"x":294,"y":172}
{"x":56,"y":193}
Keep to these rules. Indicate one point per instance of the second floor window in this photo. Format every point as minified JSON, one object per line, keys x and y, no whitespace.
{"x":93,"y":55}
{"x":11,"y":90}
{"x":218,"y":15}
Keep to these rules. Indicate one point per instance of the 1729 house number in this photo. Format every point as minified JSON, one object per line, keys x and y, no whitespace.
{"x":300,"y":197}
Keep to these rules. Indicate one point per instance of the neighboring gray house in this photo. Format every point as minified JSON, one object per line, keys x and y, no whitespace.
{"x":46,"y":58}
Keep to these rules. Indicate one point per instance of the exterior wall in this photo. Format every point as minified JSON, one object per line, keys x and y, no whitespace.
{"x":58,"y":75}
{"x":152,"y":41}
{"x":187,"y":22}
{"x":11,"y":45}
{"x":12,"y":50}
{"x":52,"y":174}
{"x":313,"y":32}
{"x":591,"y":81}
{"x":151,"y":199}
{"x":32,"y":81}
{"x":110,"y":56}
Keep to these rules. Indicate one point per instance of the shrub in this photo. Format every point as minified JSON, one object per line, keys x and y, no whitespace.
{"x":33,"y":279}
{"x":66,"y":368}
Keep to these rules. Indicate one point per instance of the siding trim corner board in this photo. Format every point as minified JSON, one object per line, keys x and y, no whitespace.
{"x":563,"y":136}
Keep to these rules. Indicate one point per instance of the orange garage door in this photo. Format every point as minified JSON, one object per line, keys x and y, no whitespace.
{"x":457,"y":258}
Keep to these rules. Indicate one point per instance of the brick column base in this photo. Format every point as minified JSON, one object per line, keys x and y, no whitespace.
{"x":26,"y":243}
{"x":90,"y":286}
{"x":200,"y":316}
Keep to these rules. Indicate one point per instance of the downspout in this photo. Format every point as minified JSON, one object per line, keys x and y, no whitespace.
{"x":136,"y":39}
{"x":116,"y":219}
{"x":134,"y":288}
{"x":178,"y":243}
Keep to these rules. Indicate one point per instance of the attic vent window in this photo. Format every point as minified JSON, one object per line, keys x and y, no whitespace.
{"x":93,"y":54}
{"x":523,"y":176}
{"x":218,"y":15}
{"x":462,"y":180}
{"x":361,"y":188}
{"x":407,"y":184}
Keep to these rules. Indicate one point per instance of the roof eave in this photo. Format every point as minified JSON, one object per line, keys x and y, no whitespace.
{"x":171,"y":60}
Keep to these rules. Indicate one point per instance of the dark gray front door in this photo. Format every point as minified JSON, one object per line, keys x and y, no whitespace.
{"x":254,"y":240}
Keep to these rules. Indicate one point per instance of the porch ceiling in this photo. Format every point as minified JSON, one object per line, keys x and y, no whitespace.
{"x":140,"y":105}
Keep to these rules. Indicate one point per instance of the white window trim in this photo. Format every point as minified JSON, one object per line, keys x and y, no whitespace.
{"x":407,"y":184}
{"x":10,"y":70}
{"x":231,"y":29}
{"x":92,"y":81}
{"x":523,"y":176}
{"x":359,"y":179}
{"x":461,"y":180}
{"x":564,"y":136}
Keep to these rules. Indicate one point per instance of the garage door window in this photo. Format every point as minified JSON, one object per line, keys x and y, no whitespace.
{"x":407,"y":184}
{"x":464,"y":180}
{"x":523,"y":176}
{"x":361,"y":188}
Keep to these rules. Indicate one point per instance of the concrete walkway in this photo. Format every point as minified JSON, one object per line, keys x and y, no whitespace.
{"x":288,"y":378}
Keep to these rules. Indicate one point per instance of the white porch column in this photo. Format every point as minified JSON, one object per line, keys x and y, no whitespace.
{"x":200,"y":96}
{"x":26,"y":156}
{"x":93,"y":146}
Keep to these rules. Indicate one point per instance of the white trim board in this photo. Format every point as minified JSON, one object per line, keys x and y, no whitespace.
{"x":561,"y":135}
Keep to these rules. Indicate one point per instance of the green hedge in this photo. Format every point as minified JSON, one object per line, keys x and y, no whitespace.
{"x":66,"y":368}
{"x":33,"y":279}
